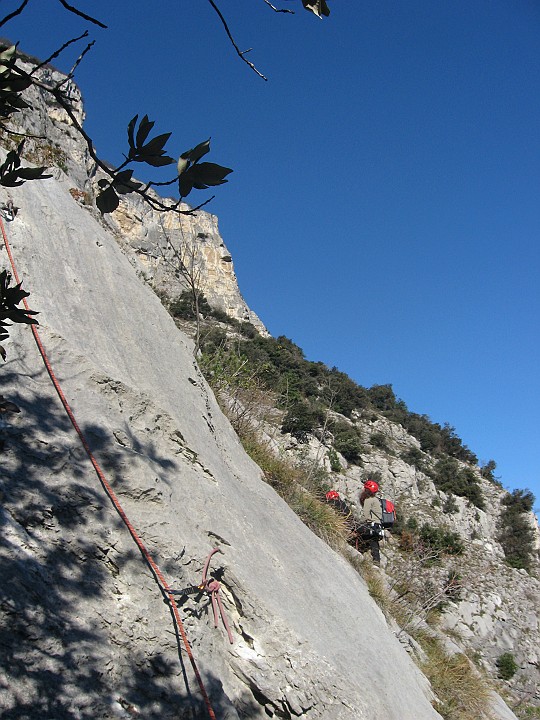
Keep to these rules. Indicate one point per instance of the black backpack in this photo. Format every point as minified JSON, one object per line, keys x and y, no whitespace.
{"x":388,"y":512}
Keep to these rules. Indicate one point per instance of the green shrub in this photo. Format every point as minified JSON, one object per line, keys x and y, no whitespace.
{"x":184,"y":306}
{"x":379,"y":440}
{"x":441,"y":540}
{"x":515,"y":533}
{"x":294,"y":378}
{"x":212,"y":340}
{"x":248,"y":330}
{"x":448,"y":476}
{"x":520,"y":501}
{"x":487,"y":471}
{"x":507,"y":666}
{"x":414,"y":457}
{"x":382,"y":397}
{"x":301,"y":419}
{"x":221,"y":316}
{"x":412,"y":524}
{"x":347,"y":442}
{"x":335,"y":465}
{"x":450,"y":505}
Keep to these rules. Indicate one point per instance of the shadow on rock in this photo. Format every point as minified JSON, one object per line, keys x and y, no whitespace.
{"x":59,"y":658}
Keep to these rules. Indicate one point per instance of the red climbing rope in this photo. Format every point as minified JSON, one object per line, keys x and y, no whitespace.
{"x":163,"y":584}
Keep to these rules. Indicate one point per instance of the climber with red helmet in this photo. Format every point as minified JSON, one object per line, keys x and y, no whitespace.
{"x":334,"y":499}
{"x":372,"y":486}
{"x":370,"y":529}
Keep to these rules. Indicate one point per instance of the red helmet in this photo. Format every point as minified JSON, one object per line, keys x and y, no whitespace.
{"x":332,"y":495}
{"x":372,"y":486}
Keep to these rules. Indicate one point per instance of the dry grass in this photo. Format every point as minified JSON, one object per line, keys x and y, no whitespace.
{"x":374,"y":579}
{"x":289,"y":480}
{"x":462,"y":692}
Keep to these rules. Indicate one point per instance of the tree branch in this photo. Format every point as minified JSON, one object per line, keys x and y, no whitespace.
{"x":81,"y":14}
{"x":275,"y":9}
{"x":21,"y":134}
{"x":16,"y":12}
{"x":278,"y":10}
{"x":241,"y":54}
{"x":77,"y":62}
{"x":60,"y":50}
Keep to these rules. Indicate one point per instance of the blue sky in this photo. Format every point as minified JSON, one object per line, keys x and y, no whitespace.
{"x":384,"y":210}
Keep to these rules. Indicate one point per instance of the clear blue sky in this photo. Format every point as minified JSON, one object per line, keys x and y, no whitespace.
{"x":384,"y":210}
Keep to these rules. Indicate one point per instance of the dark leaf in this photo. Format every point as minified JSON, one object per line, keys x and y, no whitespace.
{"x":21,"y":315}
{"x":8,"y":54}
{"x":10,"y":180}
{"x":153,"y":152}
{"x":124,"y":184}
{"x":144,"y":130}
{"x":185,"y":184}
{"x":10,"y":297}
{"x":28,"y":173}
{"x":17,"y":176}
{"x":156,"y":145}
{"x":208,"y":174}
{"x":130,"y":131}
{"x":14,"y":83}
{"x":317,"y":7}
{"x":14,"y":102}
{"x":197,"y":152}
{"x":12,"y":161}
{"x":107,"y":201}
{"x":158,"y":161}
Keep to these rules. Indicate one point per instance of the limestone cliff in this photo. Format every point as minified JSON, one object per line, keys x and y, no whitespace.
{"x":84,"y":630}
{"x":145,"y":235}
{"x":498,"y":607}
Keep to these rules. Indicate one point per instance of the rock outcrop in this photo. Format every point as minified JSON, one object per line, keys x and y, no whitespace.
{"x":498,"y":607}
{"x":84,"y":624}
{"x":84,"y":631}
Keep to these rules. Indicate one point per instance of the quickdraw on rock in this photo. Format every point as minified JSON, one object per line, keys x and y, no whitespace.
{"x":8,"y":210}
{"x":210,"y":586}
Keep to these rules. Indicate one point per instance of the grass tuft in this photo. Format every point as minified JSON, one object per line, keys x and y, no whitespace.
{"x":289,"y":481}
{"x":462,"y":692}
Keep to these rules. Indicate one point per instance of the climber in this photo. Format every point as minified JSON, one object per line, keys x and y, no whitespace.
{"x":334,"y":499}
{"x":370,"y":531}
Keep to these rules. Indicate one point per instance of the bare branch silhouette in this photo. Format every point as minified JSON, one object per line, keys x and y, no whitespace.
{"x":239,"y":52}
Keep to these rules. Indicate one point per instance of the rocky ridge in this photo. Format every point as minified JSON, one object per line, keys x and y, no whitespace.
{"x":84,"y":631}
{"x":498,"y":608}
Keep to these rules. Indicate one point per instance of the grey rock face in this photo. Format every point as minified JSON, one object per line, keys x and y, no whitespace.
{"x":84,"y":630}
{"x":147,"y":237}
